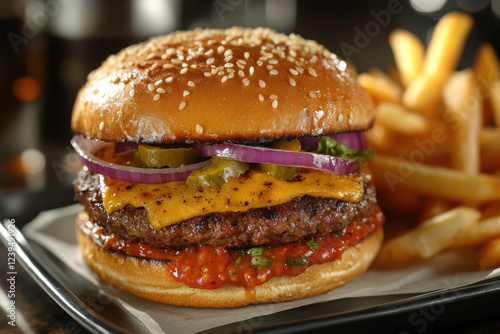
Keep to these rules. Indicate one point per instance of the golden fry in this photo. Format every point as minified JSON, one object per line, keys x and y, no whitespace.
{"x":464,"y":114}
{"x":428,"y":239}
{"x":488,"y":256}
{"x":402,"y":120}
{"x":441,"y":59}
{"x":485,"y":231}
{"x":408,"y":53}
{"x":381,"y":88}
{"x":435,"y":181}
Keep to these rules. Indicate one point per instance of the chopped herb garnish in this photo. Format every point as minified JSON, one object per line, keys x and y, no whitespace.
{"x":255,"y":251}
{"x":260,"y":261}
{"x":328,"y":145}
{"x":339,"y":232}
{"x":238,"y":260}
{"x":313,"y":245}
{"x":296,"y":262}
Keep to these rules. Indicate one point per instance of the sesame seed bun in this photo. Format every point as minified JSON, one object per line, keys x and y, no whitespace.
{"x":149,"y":279}
{"x":221,"y":85}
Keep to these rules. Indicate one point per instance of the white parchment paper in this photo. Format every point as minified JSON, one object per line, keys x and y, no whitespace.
{"x":54,"y":230}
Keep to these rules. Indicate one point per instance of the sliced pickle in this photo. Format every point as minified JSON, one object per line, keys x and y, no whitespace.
{"x":293,"y":145}
{"x":158,"y":157}
{"x":217,"y":174}
{"x":282,"y":172}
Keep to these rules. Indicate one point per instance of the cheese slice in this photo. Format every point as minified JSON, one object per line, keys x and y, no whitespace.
{"x":173,"y":202}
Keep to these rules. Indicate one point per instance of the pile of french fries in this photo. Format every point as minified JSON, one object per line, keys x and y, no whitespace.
{"x":437,"y":136}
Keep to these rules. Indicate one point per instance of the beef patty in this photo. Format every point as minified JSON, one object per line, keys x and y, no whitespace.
{"x":302,"y":218}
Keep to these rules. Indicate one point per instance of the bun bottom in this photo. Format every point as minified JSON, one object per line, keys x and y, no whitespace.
{"x":150,"y":279}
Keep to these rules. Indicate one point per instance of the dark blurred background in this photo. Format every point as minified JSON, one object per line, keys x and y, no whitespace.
{"x":47,"y":48}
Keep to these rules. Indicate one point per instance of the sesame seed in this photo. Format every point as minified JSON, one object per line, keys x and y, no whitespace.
{"x":221,"y":73}
{"x":199,"y":128}
{"x":101,"y":125}
{"x":131,"y":92}
{"x":240,"y":65}
{"x":209,"y":53}
{"x":182,"y":105}
{"x":313,"y":95}
{"x":246,"y":54}
{"x":175,"y":61}
{"x":273,"y":97}
{"x":292,"y":82}
{"x":169,"y":79}
{"x":292,"y":53}
{"x":185,"y":93}
{"x":228,"y":65}
{"x":340,"y":118}
{"x":300,"y":69}
{"x":210,"y":60}
{"x":246,"y":82}
{"x":207,"y":74}
{"x":151,"y":87}
{"x":269,"y":67}
{"x":261,"y":97}
{"x":241,"y":61}
{"x":156,"y":97}
{"x":241,"y":73}
{"x":220,"y":49}
{"x":160,"y":90}
{"x":224,"y":79}
{"x":184,"y":65}
{"x":158,"y":82}
{"x":293,"y":71}
{"x":183,"y":71}
{"x":191,"y":83}
{"x":231,"y":75}
{"x":228,"y":52}
{"x":273,"y":72}
{"x":119,"y":113}
{"x":262,"y":84}
{"x":251,"y":70}
{"x":259,"y":62}
{"x":312,"y":72}
{"x":273,"y":61}
{"x":275,"y":104}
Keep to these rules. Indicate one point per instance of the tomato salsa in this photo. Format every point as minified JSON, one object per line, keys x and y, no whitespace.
{"x":210,"y":267}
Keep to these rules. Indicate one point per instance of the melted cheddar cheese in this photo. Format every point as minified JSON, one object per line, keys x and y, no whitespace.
{"x":173,"y":202}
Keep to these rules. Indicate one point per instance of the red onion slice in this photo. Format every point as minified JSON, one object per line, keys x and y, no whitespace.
{"x":85,"y":149}
{"x":278,"y":157}
{"x":355,"y":140}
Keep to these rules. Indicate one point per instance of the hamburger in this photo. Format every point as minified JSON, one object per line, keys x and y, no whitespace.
{"x":224,"y":168}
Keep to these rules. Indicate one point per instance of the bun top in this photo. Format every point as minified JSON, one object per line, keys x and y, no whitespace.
{"x":221,"y":85}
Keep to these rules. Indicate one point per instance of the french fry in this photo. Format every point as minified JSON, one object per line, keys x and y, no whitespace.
{"x":428,"y":239}
{"x":408,"y":53}
{"x":485,"y":231}
{"x":488,"y":256}
{"x":487,"y":65}
{"x":441,"y":58}
{"x":435,"y":181}
{"x":464,"y":112}
{"x":381,"y":88}
{"x":495,"y":101}
{"x":402,"y":120}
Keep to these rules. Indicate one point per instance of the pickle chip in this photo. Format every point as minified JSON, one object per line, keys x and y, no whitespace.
{"x":282,"y":172}
{"x":158,"y":157}
{"x":217,"y":174}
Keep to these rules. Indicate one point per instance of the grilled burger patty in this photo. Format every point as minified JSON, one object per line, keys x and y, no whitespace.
{"x":302,"y":218}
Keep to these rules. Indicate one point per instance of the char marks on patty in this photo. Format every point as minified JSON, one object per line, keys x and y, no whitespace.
{"x":302,"y":218}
